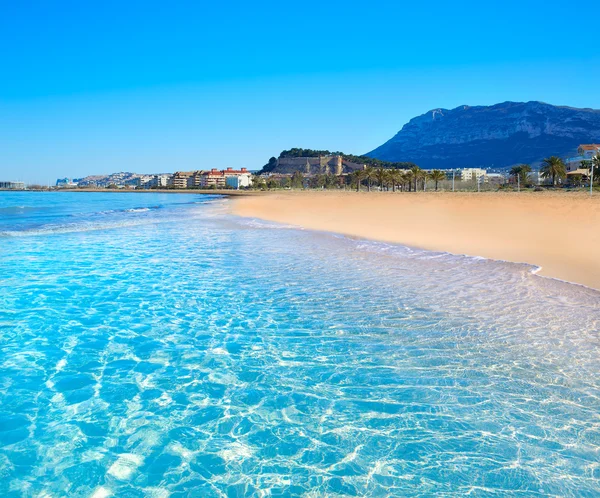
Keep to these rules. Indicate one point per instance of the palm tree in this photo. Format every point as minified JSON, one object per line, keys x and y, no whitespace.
{"x":358,"y":177}
{"x":380,"y":175}
{"x":423,"y":176}
{"x":417,"y":174}
{"x":407,"y":179}
{"x":522,"y":173}
{"x":515,"y":171}
{"x":596,"y":166}
{"x":369,"y":175}
{"x":437,"y":176}
{"x":553,"y":167}
{"x":395,"y":177}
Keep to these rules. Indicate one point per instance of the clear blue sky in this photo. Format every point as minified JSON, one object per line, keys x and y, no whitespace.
{"x":97,"y":87}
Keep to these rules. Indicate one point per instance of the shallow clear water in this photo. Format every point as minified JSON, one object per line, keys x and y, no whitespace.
{"x":153,"y":345}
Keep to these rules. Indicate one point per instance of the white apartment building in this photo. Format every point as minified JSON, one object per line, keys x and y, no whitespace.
{"x":467,"y":174}
{"x":12,"y":185}
{"x":239,"y":181}
{"x":586,"y":152}
{"x":158,"y":181}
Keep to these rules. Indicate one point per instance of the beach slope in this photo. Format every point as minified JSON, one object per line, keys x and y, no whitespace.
{"x":560,"y":232}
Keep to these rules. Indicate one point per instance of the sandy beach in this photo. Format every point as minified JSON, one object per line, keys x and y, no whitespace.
{"x":560,"y":232}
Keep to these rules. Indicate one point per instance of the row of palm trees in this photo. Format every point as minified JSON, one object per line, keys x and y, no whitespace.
{"x":416,"y":179}
{"x":553,"y":167}
{"x":405,"y":180}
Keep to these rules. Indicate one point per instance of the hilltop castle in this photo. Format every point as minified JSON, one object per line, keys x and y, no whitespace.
{"x":323,"y":165}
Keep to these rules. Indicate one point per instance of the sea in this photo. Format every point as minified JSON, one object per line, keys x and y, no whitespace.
{"x":155,"y":345}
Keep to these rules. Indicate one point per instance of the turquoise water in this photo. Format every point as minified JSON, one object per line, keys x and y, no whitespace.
{"x":154,"y":345}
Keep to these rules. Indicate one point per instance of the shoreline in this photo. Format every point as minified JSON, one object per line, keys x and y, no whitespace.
{"x":230,"y":193}
{"x":556,"y":233}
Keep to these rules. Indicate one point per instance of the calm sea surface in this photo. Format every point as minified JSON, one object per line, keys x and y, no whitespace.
{"x":153,"y":345}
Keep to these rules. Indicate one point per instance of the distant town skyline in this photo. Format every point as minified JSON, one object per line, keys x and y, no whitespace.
{"x":156,"y":88}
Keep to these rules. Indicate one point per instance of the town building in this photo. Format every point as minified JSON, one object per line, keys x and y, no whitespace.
{"x":576,"y":168}
{"x":239,"y":181}
{"x":234,"y":172}
{"x":495,"y":178}
{"x":586,"y":152}
{"x":182,"y":179}
{"x":195,"y":181}
{"x":213,"y":179}
{"x":235,"y":178}
{"x":187,"y":179}
{"x":12,"y":185}
{"x":158,"y":181}
{"x":65,"y":183}
{"x":142,"y":180}
{"x":468,"y":174}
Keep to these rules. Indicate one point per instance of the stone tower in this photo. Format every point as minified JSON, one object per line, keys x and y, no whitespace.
{"x":338,"y":165}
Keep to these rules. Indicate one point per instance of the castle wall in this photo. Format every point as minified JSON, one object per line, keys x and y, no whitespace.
{"x":315,"y":165}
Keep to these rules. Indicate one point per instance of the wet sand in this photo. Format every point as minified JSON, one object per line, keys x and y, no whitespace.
{"x":558,"y":231}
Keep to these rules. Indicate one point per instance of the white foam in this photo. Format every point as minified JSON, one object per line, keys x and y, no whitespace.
{"x":101,"y":492}
{"x":184,"y":453}
{"x":236,"y":451}
{"x":164,"y":399}
{"x":219,"y":351}
{"x":125,"y":466}
{"x":60,"y":365}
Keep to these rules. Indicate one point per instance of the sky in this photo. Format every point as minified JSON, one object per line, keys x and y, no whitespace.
{"x":98,"y":87}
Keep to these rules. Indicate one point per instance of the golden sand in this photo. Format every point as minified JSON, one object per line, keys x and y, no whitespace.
{"x":560,"y":232}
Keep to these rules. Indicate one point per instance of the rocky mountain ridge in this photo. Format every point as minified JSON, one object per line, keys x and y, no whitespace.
{"x":497,"y":136}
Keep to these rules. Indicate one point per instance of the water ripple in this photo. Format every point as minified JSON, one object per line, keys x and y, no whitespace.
{"x":193,"y":356}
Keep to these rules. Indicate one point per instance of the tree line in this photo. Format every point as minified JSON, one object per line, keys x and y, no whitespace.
{"x":393,"y":179}
{"x":392,"y":176}
{"x":555,"y":169}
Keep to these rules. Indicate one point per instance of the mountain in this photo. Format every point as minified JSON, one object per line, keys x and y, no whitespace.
{"x":497,"y":136}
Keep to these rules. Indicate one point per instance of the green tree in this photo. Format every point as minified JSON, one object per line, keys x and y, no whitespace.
{"x":330,"y":181}
{"x":357,"y":177}
{"x":381,"y":176}
{"x":553,"y":167}
{"x":437,"y":176}
{"x":521,"y":172}
{"x":297,"y":180}
{"x":369,"y":175}
{"x":270,"y":166}
{"x":406,"y":180}
{"x":409,"y":177}
{"x":596,"y":165}
{"x":395,"y":178}
{"x":417,"y":175}
{"x":258,"y":182}
{"x":576,"y":180}
{"x":319,"y":181}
